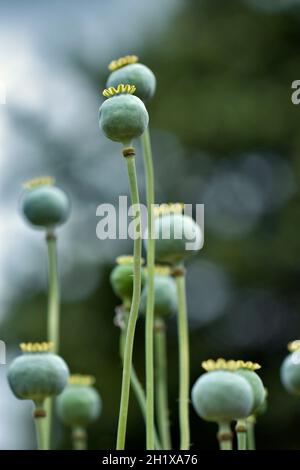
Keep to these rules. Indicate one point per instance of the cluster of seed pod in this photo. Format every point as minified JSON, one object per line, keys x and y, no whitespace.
{"x":229,"y":391}
{"x":40,"y":374}
{"x":123,"y":117}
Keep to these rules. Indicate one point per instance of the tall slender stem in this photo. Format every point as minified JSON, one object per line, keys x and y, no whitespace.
{"x":148,"y":163}
{"x":184,"y":361}
{"x":136,"y":385}
{"x":79,"y":438}
{"x":40,"y":428}
{"x":241,"y":432}
{"x":53,"y":319}
{"x":53,"y":292}
{"x":225,"y":436}
{"x":162,"y":408}
{"x":134,"y":310}
{"x":251,"y":433}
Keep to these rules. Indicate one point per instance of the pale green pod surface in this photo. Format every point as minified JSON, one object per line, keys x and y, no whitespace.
{"x":256,"y":385}
{"x":263,"y":407}
{"x":36,"y":376}
{"x":177,"y":237}
{"x":78,"y":405}
{"x":123,"y":117}
{"x":222,"y":396}
{"x":121,"y":279}
{"x":135,"y":74}
{"x":290,"y":373}
{"x":165,"y":296}
{"x":46,"y":206}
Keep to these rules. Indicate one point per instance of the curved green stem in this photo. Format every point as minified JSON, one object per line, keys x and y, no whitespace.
{"x":79,"y":439}
{"x":134,"y":310}
{"x":137,"y":387}
{"x":53,"y":319}
{"x":40,"y":428}
{"x":225,"y":436}
{"x":148,"y":162}
{"x":162,"y":409}
{"x":251,"y":433}
{"x":241,"y":432}
{"x":184,"y":362}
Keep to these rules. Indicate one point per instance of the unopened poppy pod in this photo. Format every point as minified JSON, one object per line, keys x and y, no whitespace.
{"x":45,"y":205}
{"x":80,"y":403}
{"x":127,"y":69}
{"x":121,"y":278}
{"x":290,"y":369}
{"x":38,"y":373}
{"x":247,"y":370}
{"x":165,"y":297}
{"x":178,"y":236}
{"x":220,"y":395}
{"x":122,"y":116}
{"x":264,"y":406}
{"x":256,"y":384}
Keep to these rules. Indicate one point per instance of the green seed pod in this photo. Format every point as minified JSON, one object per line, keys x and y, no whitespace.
{"x":80,"y":403}
{"x":121,"y":278}
{"x":290,"y":369}
{"x":126,"y":70}
{"x":177,"y":236}
{"x":222,"y":396}
{"x":165,"y":297}
{"x":256,"y":385}
{"x":264,"y":406}
{"x":38,"y":373}
{"x":290,"y":373}
{"x":123,"y":116}
{"x":45,"y":205}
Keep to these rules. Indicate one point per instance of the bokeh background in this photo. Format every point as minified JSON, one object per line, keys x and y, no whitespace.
{"x":225,"y":134}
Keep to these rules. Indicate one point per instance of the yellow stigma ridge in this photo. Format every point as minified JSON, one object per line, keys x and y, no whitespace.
{"x":78,"y":379}
{"x":222,"y":364}
{"x":36,"y":347}
{"x":170,"y":208}
{"x":162,"y":270}
{"x":122,"y":61}
{"x":39,"y":181}
{"x":294,"y":345}
{"x":111,"y":91}
{"x":126,"y":259}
